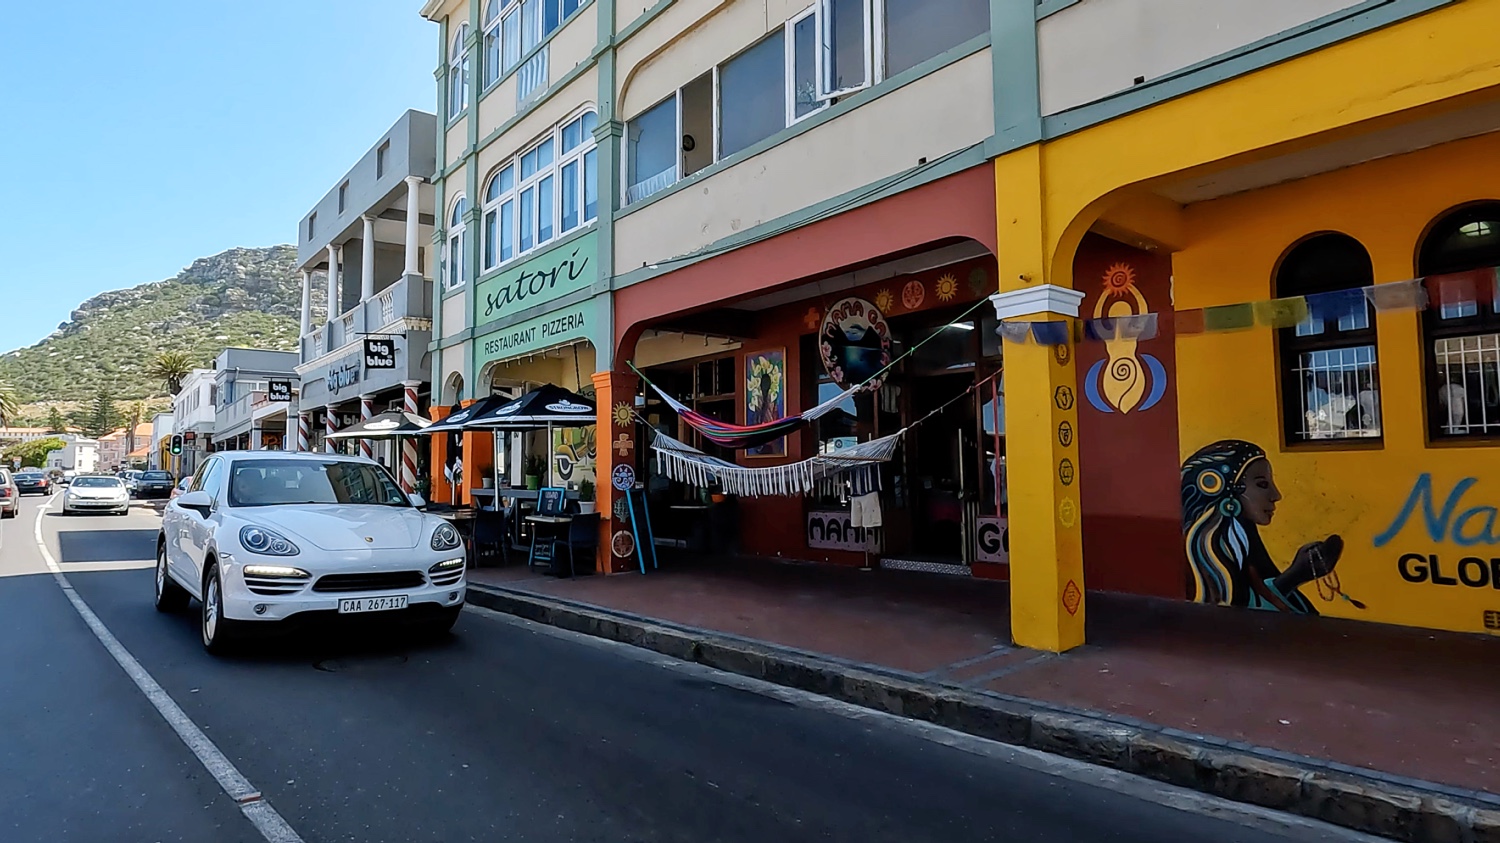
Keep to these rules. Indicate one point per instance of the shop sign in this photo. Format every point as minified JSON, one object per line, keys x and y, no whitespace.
{"x":834,"y":531}
{"x":855,"y":343}
{"x":992,"y":540}
{"x":380,"y":353}
{"x":279,"y":391}
{"x":561,"y":326}
{"x":341,"y":376}
{"x":543,"y":278}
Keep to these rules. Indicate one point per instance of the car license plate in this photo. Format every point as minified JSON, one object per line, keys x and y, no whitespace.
{"x":351,"y":605}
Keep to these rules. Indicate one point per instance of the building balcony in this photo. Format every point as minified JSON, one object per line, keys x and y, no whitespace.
{"x":407,"y":303}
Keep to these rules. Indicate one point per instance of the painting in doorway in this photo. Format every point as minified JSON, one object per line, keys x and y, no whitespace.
{"x":765,"y":396}
{"x":1228,"y":494}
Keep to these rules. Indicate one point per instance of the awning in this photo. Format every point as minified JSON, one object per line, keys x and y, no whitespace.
{"x":548,"y":406}
{"x":389,"y":425}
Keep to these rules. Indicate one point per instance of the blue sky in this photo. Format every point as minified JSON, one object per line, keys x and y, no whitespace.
{"x":138,"y":136}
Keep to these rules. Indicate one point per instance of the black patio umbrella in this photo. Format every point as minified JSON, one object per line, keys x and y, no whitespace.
{"x":547,"y":407}
{"x":390,"y":425}
{"x":462,"y":418}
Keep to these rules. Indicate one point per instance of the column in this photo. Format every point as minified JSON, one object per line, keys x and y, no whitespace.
{"x":330,"y":427}
{"x":367,"y":260}
{"x":333,"y":282}
{"x":306,"y":302}
{"x":614,"y":393}
{"x":366,"y":410}
{"x":304,"y":431}
{"x":409,"y":443}
{"x":413,"y":223}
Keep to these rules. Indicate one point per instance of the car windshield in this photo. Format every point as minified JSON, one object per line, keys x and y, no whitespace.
{"x":273,"y":482}
{"x":156,"y":475}
{"x":97,"y":482}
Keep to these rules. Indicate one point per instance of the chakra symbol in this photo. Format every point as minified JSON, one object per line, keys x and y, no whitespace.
{"x":946,"y":287}
{"x":1066,"y":472}
{"x":1067,"y":512}
{"x":1071,"y":597}
{"x":623,"y":444}
{"x":622,"y":414}
{"x":1065,"y":434}
{"x":1063,"y":398}
{"x":1062,"y":352}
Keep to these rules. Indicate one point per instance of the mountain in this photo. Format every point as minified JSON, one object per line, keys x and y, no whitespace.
{"x":242,"y":297}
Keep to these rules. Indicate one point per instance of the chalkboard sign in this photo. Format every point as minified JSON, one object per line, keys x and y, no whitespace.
{"x":550,"y":501}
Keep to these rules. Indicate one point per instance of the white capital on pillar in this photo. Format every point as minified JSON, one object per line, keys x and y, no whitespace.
{"x":306,"y":302}
{"x":413,"y":222}
{"x":367,"y":260}
{"x":333,"y":282}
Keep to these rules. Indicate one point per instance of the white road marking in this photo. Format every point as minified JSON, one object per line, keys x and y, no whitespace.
{"x":1292,"y":826}
{"x":259,"y":812}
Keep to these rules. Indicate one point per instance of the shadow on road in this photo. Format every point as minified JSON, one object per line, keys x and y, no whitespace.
{"x":107,"y":545}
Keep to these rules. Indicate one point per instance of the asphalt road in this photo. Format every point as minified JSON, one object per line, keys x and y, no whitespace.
{"x":506,"y":731}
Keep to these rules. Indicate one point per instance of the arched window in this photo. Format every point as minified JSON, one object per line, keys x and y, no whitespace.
{"x":543,"y":193}
{"x":492,"y":42}
{"x":1329,"y":382}
{"x":457,"y":269}
{"x":1459,"y":257}
{"x":458,"y":72}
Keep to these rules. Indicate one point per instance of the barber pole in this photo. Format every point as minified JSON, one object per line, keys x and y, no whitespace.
{"x":330,"y":427}
{"x":408,"y":443}
{"x":366,"y":410}
{"x":304,"y":431}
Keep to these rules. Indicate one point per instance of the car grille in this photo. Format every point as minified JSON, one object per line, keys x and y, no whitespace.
{"x":387,"y":581}
{"x":273,"y":586}
{"x":442,"y":579}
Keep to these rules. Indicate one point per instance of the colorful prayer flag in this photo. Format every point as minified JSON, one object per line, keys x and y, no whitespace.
{"x":1188,"y":321}
{"x":1050,"y":333}
{"x":1336,"y":305}
{"x":1015,"y":332}
{"x":1397,"y":295}
{"x":1228,"y":317}
{"x":1282,"y":313}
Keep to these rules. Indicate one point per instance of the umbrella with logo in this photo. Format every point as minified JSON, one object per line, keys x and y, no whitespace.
{"x":547,"y":407}
{"x":391,"y":425}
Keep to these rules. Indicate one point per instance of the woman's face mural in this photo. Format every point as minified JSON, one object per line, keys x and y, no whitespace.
{"x":1228,"y":493}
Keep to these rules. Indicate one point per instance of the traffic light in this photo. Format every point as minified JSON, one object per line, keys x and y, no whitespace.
{"x":176,"y":447}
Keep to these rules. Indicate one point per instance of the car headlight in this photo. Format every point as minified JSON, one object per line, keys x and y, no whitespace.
{"x":446,"y":565}
{"x":275,"y":572}
{"x":266,"y":542}
{"x":445,"y":537}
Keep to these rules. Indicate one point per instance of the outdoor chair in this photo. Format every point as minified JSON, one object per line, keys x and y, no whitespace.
{"x":491,"y":536}
{"x":583,"y":534}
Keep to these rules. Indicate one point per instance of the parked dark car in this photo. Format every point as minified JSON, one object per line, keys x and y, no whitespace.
{"x":10,"y":496}
{"x":154,"y":484}
{"x":33,"y":483}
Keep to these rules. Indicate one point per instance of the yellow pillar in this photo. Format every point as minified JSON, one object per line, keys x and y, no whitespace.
{"x":1041,"y":417}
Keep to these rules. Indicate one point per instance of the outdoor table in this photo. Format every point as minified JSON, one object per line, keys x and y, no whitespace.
{"x":546,"y":552}
{"x":705,"y":525}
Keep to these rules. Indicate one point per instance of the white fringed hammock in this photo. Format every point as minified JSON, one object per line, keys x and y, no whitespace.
{"x":683,"y":462}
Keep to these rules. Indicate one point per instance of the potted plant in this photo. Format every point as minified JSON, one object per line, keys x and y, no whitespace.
{"x":535,"y":466}
{"x":585,"y":496}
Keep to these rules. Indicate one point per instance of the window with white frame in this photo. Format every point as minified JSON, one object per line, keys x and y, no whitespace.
{"x":801,"y":66}
{"x":543,"y":193}
{"x":491,"y":62}
{"x":456,"y":259}
{"x":458,"y":73}
{"x":525,"y":24}
{"x":861,"y":42}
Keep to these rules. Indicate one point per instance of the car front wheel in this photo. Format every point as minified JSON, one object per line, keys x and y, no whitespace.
{"x":220,"y":635}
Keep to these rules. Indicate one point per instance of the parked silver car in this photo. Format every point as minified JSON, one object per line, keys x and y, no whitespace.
{"x":10,"y":496}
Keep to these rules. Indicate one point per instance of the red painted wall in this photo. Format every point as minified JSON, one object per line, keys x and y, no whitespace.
{"x":1132,"y":532}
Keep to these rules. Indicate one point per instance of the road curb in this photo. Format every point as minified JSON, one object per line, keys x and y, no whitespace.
{"x":1407,"y":810}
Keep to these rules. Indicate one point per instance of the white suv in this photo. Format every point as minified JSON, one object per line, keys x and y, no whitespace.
{"x":264,"y":536}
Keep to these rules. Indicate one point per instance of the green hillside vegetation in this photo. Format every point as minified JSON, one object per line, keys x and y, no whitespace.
{"x":242,"y":297}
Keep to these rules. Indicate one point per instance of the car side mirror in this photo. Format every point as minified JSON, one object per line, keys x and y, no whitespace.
{"x":199,"y":501}
{"x":417,"y":500}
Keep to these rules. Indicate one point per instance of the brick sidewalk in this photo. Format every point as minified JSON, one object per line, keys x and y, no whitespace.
{"x":1408,"y":702}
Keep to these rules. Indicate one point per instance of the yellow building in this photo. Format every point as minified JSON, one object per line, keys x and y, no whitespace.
{"x":1334,"y":436}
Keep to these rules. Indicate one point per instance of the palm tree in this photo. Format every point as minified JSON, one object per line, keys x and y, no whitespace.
{"x":171,"y":368}
{"x":8,"y":406}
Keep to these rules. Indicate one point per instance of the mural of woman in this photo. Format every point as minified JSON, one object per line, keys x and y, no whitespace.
{"x":1228,"y":494}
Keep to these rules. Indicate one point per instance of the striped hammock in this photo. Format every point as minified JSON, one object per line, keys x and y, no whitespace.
{"x":740,"y":437}
{"x":679,"y":461}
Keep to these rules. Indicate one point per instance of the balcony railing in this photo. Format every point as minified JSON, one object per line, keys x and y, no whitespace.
{"x":531,"y":79}
{"x":410,"y":297}
{"x":239,"y":411}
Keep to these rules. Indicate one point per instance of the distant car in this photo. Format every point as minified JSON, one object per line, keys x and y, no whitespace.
{"x":96,"y":494}
{"x":154,"y":484}
{"x":263,"y":537}
{"x":10,"y":496}
{"x":33,"y":483}
{"x":182,"y":486}
{"x":131,"y":478}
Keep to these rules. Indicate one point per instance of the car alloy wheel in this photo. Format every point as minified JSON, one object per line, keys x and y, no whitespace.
{"x":170,"y":597}
{"x":219,"y":633}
